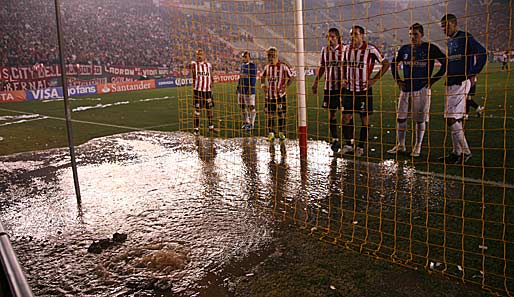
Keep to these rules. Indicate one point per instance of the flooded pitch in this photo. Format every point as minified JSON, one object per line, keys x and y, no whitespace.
{"x":189,"y":206}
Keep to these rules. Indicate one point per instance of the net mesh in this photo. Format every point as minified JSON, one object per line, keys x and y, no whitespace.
{"x":415,"y":211}
{"x":419,"y":212}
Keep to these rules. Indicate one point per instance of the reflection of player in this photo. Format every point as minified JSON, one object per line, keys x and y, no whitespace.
{"x":276,"y":77}
{"x":201,"y":71}
{"x":250,"y":166}
{"x":246,"y":90}
{"x":210,"y":179}
{"x":418,"y":60}
{"x":206,"y":149}
{"x":278,"y":174}
{"x":471,"y":103}
{"x":466,"y":58}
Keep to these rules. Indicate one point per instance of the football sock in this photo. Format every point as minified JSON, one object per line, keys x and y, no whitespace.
{"x":402,"y":128}
{"x":253,"y":113}
{"x":420,"y":133}
{"x":333,"y":128}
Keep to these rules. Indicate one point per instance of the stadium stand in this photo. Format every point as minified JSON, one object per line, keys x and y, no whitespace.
{"x":119,"y":28}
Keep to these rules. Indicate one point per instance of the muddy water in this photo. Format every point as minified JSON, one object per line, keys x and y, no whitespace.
{"x":189,"y":206}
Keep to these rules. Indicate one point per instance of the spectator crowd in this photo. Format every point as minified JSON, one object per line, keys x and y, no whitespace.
{"x":141,"y":33}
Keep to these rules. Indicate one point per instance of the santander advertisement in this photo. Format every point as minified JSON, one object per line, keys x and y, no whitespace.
{"x":126,"y":86}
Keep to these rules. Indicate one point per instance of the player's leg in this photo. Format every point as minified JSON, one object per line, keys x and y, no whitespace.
{"x":241,"y":101}
{"x":334,"y":104}
{"x":197,"y":111}
{"x":365,"y":105}
{"x":421,"y":108}
{"x":348,"y":109}
{"x":251,"y":109}
{"x":282,"y":112}
{"x":209,"y":105}
{"x":269,"y":110}
{"x":454,"y":113}
{"x":401,"y":123}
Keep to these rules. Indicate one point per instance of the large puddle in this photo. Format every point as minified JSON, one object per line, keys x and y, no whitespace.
{"x":189,"y":207}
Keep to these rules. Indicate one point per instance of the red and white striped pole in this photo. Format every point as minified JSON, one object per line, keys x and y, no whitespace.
{"x":300,"y":87}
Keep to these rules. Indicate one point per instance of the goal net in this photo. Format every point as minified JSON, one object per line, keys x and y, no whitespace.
{"x":368,"y":182}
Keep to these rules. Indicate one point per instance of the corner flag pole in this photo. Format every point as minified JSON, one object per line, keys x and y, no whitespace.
{"x":300,"y":58}
{"x":67,"y":110}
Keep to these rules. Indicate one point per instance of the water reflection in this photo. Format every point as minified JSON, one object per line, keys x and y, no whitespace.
{"x":201,"y":201}
{"x":250,"y":161}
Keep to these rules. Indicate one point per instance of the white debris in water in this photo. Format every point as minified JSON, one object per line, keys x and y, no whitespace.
{"x":332,"y":287}
{"x":313,"y":229}
{"x":432,"y":265}
{"x":372,"y":149}
{"x":375,"y":137}
{"x":388,"y":131}
{"x":482,"y":247}
{"x":355,"y":222}
{"x":249,"y":274}
{"x":459,"y":267}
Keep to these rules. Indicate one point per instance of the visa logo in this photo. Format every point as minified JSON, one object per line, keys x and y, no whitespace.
{"x":41,"y":94}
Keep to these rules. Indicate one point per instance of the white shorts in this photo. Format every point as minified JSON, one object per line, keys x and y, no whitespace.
{"x":246,"y":99}
{"x":455,"y":104}
{"x":414,"y":104}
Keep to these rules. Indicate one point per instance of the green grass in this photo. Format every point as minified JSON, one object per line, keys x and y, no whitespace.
{"x":491,"y":137}
{"x":454,"y":230}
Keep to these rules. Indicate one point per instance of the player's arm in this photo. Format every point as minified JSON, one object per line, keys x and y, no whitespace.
{"x":480,"y":54}
{"x":385,"y":66}
{"x":193,"y":72}
{"x":212,"y":79}
{"x":290,"y":79}
{"x":319,"y":74}
{"x":264,"y":80}
{"x":394,"y":71}
{"x":437,"y":54}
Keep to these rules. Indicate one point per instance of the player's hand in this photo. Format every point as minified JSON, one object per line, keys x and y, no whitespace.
{"x":401,"y":84}
{"x":315,"y":88}
{"x":371,"y":82}
{"x":473,"y":80}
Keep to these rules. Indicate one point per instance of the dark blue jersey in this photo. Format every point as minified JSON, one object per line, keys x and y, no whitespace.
{"x":418,"y":64}
{"x":466,"y":57}
{"x":247,"y":78}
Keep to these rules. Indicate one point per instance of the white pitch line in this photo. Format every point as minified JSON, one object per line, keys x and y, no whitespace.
{"x":80,"y":121}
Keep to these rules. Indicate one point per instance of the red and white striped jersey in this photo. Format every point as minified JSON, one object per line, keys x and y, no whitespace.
{"x":276,"y":76}
{"x":201,"y":72}
{"x":358,"y":65}
{"x":331,"y":58}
